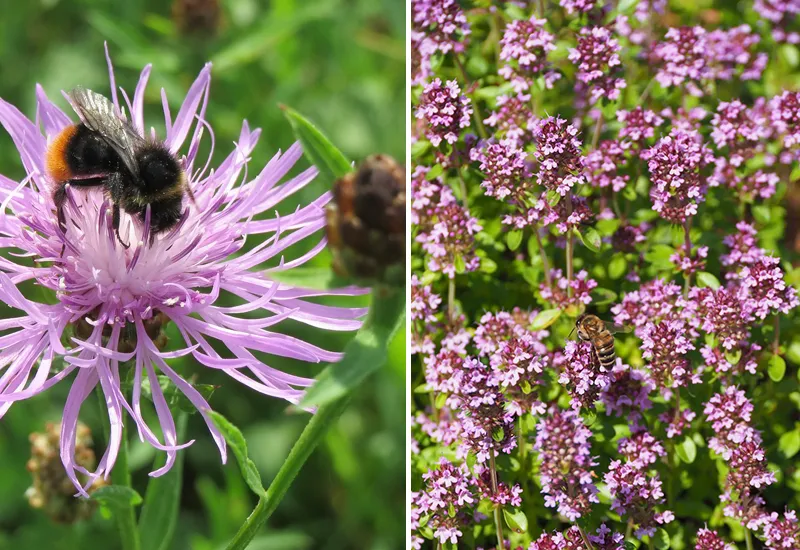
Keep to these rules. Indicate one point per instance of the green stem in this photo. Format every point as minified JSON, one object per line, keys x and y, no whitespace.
{"x":476,"y":111}
{"x":748,"y":539}
{"x":312,"y":435}
{"x":776,"y":342}
{"x":121,"y":475}
{"x":451,"y":301}
{"x":597,"y":127}
{"x":687,"y":227}
{"x":498,"y":524}
{"x":569,"y":247}
{"x":543,"y":255}
{"x":588,"y":544}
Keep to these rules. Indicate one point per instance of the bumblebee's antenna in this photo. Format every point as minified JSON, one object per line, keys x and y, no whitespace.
{"x":570,"y":332}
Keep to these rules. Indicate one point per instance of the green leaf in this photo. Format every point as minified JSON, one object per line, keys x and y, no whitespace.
{"x":776,"y":368}
{"x":435,"y":171}
{"x":488,"y":265}
{"x":601,"y":296}
{"x":733,"y":357}
{"x":419,"y":148}
{"x":175,"y":397}
{"x":762,"y":213}
{"x":658,"y":256}
{"x":790,"y":54}
{"x":516,"y":520}
{"x":617,"y":266}
{"x":789,"y":443}
{"x":365,"y":353}
{"x":553,"y":198}
{"x":661,"y":539}
{"x":687,"y":450}
{"x":330,"y":162}
{"x":314,"y":278}
{"x":590,"y":239}
{"x":707,"y":280}
{"x":459,"y":264}
{"x":513,"y":239}
{"x":545,"y":318}
{"x":238,"y":445}
{"x":162,"y":499}
{"x":117,"y":497}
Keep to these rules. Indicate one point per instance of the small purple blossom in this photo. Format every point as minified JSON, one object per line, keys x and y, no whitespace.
{"x":558,"y":151}
{"x":729,"y":414}
{"x":581,"y":373}
{"x":451,"y":241}
{"x":627,"y":396}
{"x":729,"y":54}
{"x":577,"y":6}
{"x":557,"y":295}
{"x":444,"y":110}
{"x":682,"y":58}
{"x":597,"y":58}
{"x":524,"y":49}
{"x":506,"y":170}
{"x":763,"y":291}
{"x":443,"y":23}
{"x":605,"y":165}
{"x":511,"y":119}
{"x":641,"y":449}
{"x":782,"y":533}
{"x":636,"y":494}
{"x":562,"y":441}
{"x":710,"y":540}
{"x":665,"y":346}
{"x":448,"y":494}
{"x":639,"y":124}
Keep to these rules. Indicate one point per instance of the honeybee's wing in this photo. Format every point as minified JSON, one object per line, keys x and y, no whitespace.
{"x":97,"y":113}
{"x":613,"y":327}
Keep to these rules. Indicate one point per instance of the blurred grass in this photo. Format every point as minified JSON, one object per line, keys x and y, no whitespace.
{"x":341,"y":64}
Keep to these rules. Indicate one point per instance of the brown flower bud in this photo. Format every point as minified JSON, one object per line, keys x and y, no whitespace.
{"x":52,"y":491}
{"x":366,"y":222}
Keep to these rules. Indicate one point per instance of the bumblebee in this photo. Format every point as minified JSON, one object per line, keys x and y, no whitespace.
{"x":600,"y":334}
{"x":103,"y":150}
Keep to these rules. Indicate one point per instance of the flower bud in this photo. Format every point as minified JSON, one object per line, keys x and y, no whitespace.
{"x":366,"y":222}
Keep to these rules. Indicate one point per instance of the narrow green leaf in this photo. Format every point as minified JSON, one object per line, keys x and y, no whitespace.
{"x":330,"y":162}
{"x":687,"y":450}
{"x":516,"y":520}
{"x":776,"y":368}
{"x":706,"y":279}
{"x":545,"y":318}
{"x":789,"y":443}
{"x":315,"y":278}
{"x":162,"y":499}
{"x":440,"y":401}
{"x":238,"y":445}
{"x":513,"y":239}
{"x":419,"y":148}
{"x":435,"y":171}
{"x":460,"y":264}
{"x":733,"y":357}
{"x":117,"y":497}
{"x":553,"y":198}
{"x":365,"y":353}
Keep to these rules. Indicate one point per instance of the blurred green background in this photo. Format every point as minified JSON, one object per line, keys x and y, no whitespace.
{"x":341,"y":64}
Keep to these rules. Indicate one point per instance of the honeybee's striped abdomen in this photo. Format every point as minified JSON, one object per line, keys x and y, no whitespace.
{"x":605,"y":353}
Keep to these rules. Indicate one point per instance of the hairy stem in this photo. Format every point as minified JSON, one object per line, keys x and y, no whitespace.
{"x":748,"y":539}
{"x":312,"y":435}
{"x":569,"y":247}
{"x":498,"y":522}
{"x":543,"y":255}
{"x":451,"y":301}
{"x":125,"y":517}
{"x":476,"y":110}
{"x":776,"y":340}
{"x":586,"y":541}
{"x":629,"y":528}
{"x":687,"y":226}
{"x":596,"y":135}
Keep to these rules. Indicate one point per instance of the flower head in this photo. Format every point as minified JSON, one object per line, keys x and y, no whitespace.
{"x":445,"y":110}
{"x":558,"y":150}
{"x":597,"y":58}
{"x":447,"y":488}
{"x":525,"y":45}
{"x":710,"y":540}
{"x":117,"y":300}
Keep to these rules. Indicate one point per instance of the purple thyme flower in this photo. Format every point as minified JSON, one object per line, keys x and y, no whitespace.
{"x":504,"y":496}
{"x":511,"y":119}
{"x":784,"y":114}
{"x":641,"y":449}
{"x":748,"y":362}
{"x":722,"y":313}
{"x":581,"y":373}
{"x":444,"y":110}
{"x":676,"y":165}
{"x":691,"y":263}
{"x":742,"y":248}
{"x":710,"y":540}
{"x":729,"y":54}
{"x":451,"y":240}
{"x":422,"y":48}
{"x":627,"y":394}
{"x":558,"y":151}
{"x":427,"y":196}
{"x":525,"y":45}
{"x":506,"y":171}
{"x":424,"y":306}
{"x":762,"y":289}
{"x":597,"y":59}
{"x":571,"y":539}
{"x":682,"y":58}
{"x":651,"y":302}
{"x":577,"y":6}
{"x":604,"y":165}
{"x":447,"y":497}
{"x":443,"y":22}
{"x":636,"y":494}
{"x":782,"y":534}
{"x":747,"y":475}
{"x":729,"y":413}
{"x":677,"y":420}
{"x":562,"y":441}
{"x":118,"y":299}
{"x":738,"y":129}
{"x":638,"y":124}
{"x":557,"y":295}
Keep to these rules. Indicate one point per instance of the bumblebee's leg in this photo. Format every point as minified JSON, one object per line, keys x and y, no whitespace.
{"x":164,"y":215}
{"x":59,"y":197}
{"x":115,"y":219}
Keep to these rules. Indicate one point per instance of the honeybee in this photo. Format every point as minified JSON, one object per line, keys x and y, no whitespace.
{"x":600,"y":334}
{"x":104,"y":150}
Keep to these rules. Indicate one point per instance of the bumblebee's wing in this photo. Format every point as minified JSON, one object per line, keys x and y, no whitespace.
{"x":613,"y":327}
{"x":97,"y":113}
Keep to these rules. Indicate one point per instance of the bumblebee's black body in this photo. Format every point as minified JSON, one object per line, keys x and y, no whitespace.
{"x":105,"y":151}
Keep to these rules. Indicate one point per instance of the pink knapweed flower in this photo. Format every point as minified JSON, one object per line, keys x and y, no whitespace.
{"x":118,"y":299}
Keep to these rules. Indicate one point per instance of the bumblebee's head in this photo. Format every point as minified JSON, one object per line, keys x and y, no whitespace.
{"x":587,"y":325}
{"x":158,"y":170}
